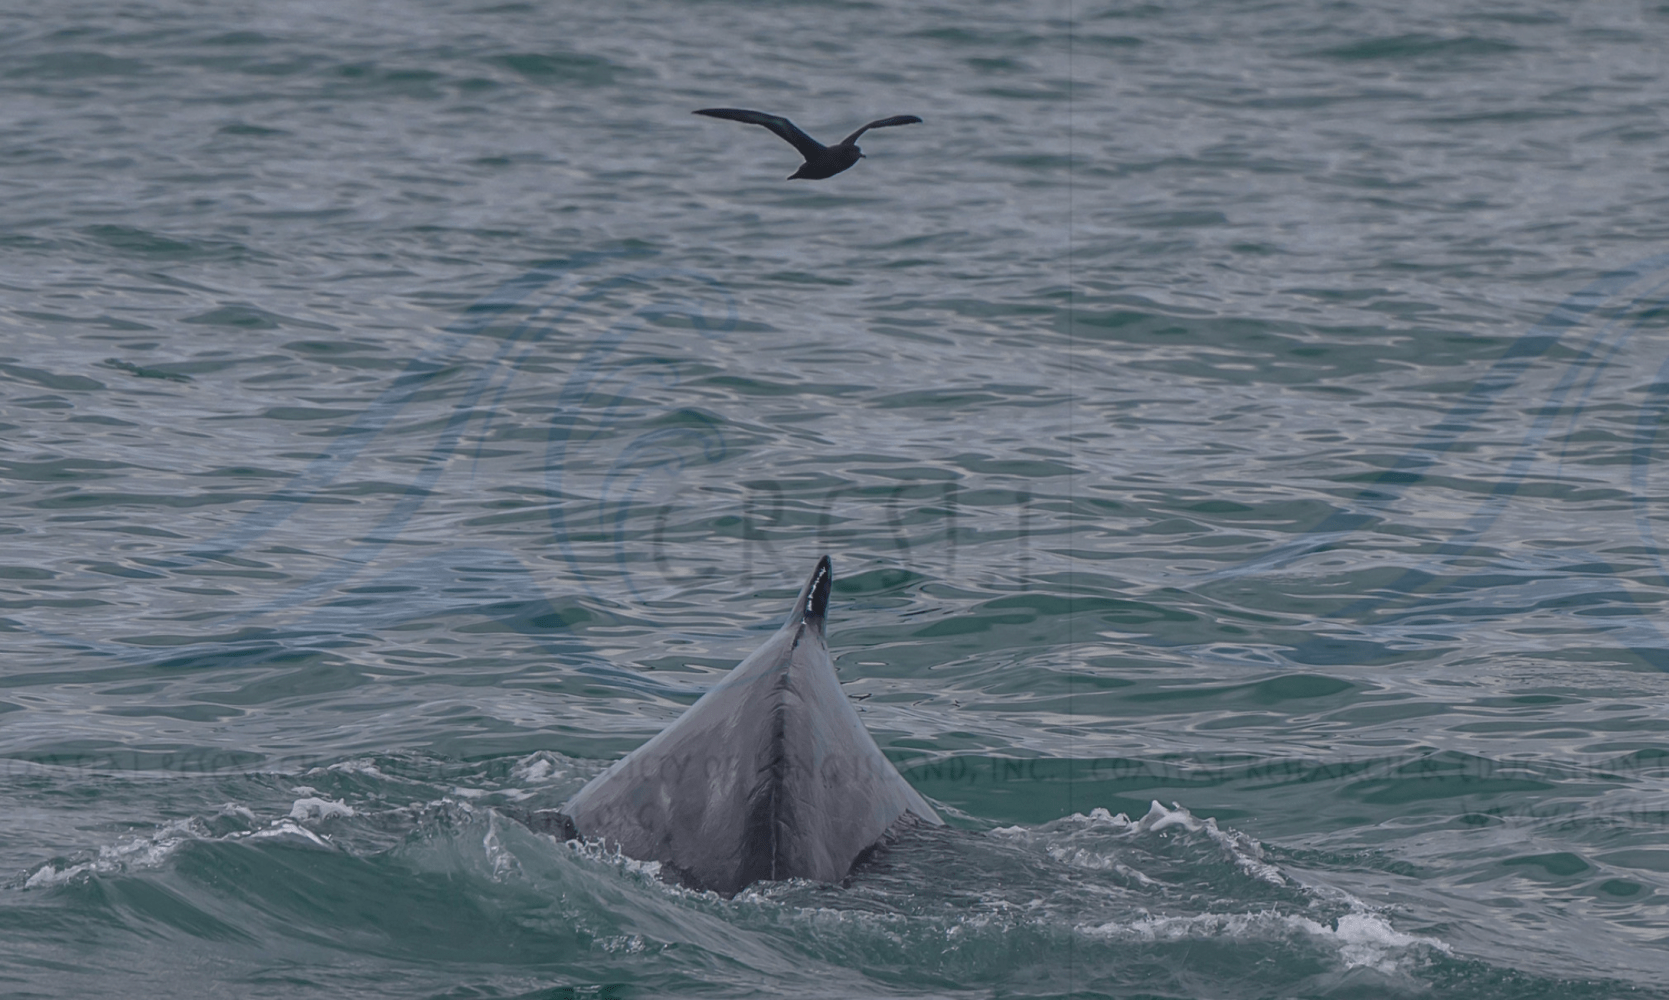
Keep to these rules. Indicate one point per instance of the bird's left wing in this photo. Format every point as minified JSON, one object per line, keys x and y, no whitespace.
{"x":807,"y":146}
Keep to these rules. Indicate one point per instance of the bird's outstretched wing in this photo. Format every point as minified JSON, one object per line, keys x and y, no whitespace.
{"x":807,"y":146}
{"x":881,"y":123}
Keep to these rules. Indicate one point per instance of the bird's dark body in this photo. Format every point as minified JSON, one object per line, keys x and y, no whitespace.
{"x":831,"y":161}
{"x":771,"y":775}
{"x":821,"y":161}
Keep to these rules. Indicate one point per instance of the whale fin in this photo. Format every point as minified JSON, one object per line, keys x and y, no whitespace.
{"x":770,"y":775}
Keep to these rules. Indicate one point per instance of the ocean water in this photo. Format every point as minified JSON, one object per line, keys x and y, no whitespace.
{"x":1237,"y":429}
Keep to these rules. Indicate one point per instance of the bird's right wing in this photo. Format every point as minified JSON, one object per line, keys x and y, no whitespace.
{"x":881,"y":123}
{"x":807,"y":146}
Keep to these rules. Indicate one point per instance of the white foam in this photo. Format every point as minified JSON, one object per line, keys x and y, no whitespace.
{"x":1099,"y":816}
{"x":363,"y":765}
{"x":1246,"y":852}
{"x":503,"y":861}
{"x":47,"y":875}
{"x":1159,"y":818}
{"x":134,"y":854}
{"x":1359,"y":940}
{"x":286,"y":828}
{"x":597,"y":850}
{"x":538,"y":768}
{"x":1366,"y":939}
{"x":630,"y":944}
{"x":152,"y":851}
{"x":317,"y":808}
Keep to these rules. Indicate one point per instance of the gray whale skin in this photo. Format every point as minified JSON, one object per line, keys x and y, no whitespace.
{"x":771,"y":775}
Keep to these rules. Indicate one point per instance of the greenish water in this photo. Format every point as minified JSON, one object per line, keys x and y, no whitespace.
{"x":1236,"y":430}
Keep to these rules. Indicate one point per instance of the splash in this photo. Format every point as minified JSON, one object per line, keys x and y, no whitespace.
{"x":1357,"y":940}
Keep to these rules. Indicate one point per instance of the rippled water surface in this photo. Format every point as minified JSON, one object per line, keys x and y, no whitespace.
{"x":1236,"y":428}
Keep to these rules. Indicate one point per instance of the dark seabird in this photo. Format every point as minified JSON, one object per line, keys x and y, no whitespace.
{"x":821,"y":161}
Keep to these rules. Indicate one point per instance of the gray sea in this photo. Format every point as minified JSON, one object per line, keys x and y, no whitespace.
{"x":1238,"y":429}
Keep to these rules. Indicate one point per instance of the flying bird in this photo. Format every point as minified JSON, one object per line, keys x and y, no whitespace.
{"x":821,"y":161}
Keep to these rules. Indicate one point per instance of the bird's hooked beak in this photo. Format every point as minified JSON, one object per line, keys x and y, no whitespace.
{"x":863,"y":156}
